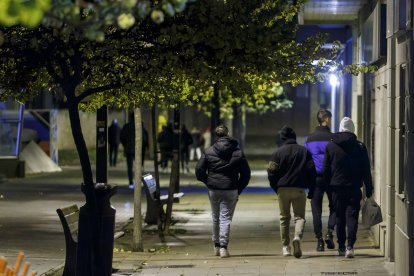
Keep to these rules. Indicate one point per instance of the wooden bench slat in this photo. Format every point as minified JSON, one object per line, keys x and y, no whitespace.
{"x":72,"y":218}
{"x":69,"y":209}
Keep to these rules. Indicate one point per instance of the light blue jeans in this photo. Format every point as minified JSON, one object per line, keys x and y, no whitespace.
{"x":223,"y":203}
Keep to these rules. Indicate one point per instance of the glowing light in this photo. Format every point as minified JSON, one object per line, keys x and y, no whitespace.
{"x":333,"y":80}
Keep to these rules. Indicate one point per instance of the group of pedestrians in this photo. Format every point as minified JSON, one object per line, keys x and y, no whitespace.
{"x":333,"y":164}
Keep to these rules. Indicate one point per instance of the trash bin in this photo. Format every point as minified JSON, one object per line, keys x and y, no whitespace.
{"x":96,"y":230}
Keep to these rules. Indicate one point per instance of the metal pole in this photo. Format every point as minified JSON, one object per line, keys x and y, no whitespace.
{"x":334,"y":122}
{"x":101,"y":145}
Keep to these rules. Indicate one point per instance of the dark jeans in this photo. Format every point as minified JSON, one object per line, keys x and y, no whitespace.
{"x":346,"y":205}
{"x":113,"y":154}
{"x":130,"y":167}
{"x":316,"y":204}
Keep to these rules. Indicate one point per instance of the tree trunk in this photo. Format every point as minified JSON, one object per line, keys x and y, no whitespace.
{"x":175,"y":170}
{"x":137,"y":224}
{"x":88,"y":242}
{"x":215,"y":111}
{"x":239,"y":124}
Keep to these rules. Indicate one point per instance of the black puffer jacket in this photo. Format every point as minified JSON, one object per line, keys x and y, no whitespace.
{"x":346,"y":163}
{"x":223,"y":166}
{"x":291,"y":166}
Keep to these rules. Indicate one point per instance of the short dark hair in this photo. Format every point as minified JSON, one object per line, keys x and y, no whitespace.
{"x":221,"y":131}
{"x":323,"y":114}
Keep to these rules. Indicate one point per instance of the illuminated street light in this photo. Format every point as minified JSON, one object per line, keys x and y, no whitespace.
{"x":333,"y":80}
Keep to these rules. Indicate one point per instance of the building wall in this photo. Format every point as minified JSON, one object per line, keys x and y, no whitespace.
{"x":391,"y":101}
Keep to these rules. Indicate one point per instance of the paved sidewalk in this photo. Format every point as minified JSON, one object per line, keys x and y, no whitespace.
{"x":255,"y":245}
{"x":29,"y":223}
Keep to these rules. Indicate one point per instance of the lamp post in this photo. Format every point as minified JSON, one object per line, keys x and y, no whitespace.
{"x":333,"y":80}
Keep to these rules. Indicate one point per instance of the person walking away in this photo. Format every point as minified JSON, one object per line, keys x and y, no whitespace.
{"x":316,"y":144}
{"x":291,"y":172}
{"x":128,"y":142}
{"x":185,"y":141}
{"x":346,"y":169}
{"x":114,"y":139}
{"x":223,"y":168}
{"x":197,"y":145}
{"x":165,"y":140}
{"x":145,"y":144}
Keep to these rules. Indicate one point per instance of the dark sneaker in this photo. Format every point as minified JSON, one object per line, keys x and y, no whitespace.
{"x":329,"y":241}
{"x":320,"y":245}
{"x":341,"y":251}
{"x":297,"y":252}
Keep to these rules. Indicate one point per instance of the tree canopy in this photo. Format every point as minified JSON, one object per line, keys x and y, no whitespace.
{"x":248,"y":48}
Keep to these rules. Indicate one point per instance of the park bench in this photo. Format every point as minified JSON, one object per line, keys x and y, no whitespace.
{"x":155,"y":209}
{"x":69,"y":217}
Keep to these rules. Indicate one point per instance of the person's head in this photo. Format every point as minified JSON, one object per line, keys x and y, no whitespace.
{"x":115,"y":121}
{"x":324,"y":117}
{"x":286,"y":133}
{"x":221,"y":131}
{"x":347,"y":125}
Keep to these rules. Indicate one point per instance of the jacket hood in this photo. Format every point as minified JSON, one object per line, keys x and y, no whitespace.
{"x":225,"y":146}
{"x":345,"y":140}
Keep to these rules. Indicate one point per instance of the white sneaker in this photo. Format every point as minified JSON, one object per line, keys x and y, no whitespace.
{"x":216,"y":250}
{"x":349,"y":253}
{"x":286,"y":251}
{"x":224,"y":253}
{"x":297,"y":252}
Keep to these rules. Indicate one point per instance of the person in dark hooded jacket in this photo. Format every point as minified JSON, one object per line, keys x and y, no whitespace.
{"x":225,"y":171}
{"x":346,"y":169}
{"x":291,"y":172}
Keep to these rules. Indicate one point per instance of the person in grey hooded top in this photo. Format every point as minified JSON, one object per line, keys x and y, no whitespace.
{"x":346,"y":169}
{"x":225,"y":171}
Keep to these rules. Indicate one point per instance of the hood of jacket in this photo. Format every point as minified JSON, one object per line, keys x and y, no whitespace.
{"x":345,"y":140}
{"x":225,"y":146}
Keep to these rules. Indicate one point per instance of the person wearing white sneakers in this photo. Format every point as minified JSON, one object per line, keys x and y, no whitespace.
{"x":291,"y":172}
{"x":346,"y":169}
{"x":225,"y":171}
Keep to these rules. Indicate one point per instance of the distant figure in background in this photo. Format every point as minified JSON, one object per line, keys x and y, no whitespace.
{"x":185,"y":141}
{"x":114,"y":138}
{"x":197,"y":145}
{"x":165,"y":139}
{"x":145,"y":143}
{"x":128,"y":142}
{"x":207,"y":138}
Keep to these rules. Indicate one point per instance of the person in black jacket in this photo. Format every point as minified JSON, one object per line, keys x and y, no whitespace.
{"x":291,"y":172}
{"x":114,"y":139}
{"x":225,"y":171}
{"x":185,"y":141}
{"x":346,"y":168}
{"x":128,"y":142}
{"x":316,"y":144}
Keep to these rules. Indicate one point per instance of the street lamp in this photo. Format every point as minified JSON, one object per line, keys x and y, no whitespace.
{"x":333,"y":80}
